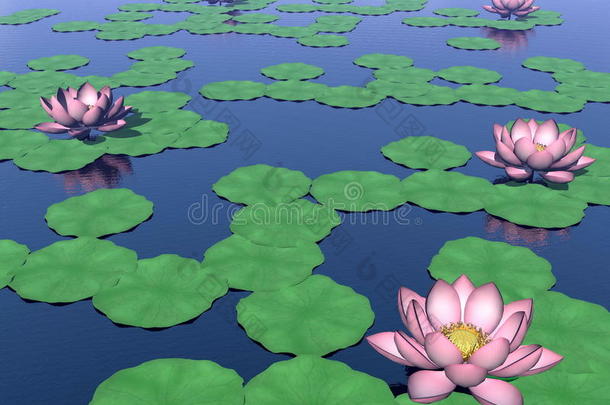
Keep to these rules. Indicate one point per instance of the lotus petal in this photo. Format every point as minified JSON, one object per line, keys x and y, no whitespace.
{"x":412,"y":351}
{"x":506,"y":139}
{"x":51,"y":127}
{"x":427,"y":386}
{"x":384,"y":344}
{"x":87,"y":94}
{"x":582,"y":163}
{"x":526,"y":4}
{"x":417,"y":322}
{"x":92,"y":116}
{"x":490,"y":158}
{"x":46,"y":105}
{"x":484,"y":307}
{"x":441,"y":350}
{"x":103,"y":102}
{"x":491,"y":9}
{"x":547,"y":133}
{"x":80,"y":132}
{"x":521,"y":13}
{"x":548,"y":359}
{"x":540,"y":160}
{"x":124,"y":111}
{"x":116,"y":107}
{"x":524,"y":148}
{"x":497,"y":392}
{"x":498,"y":3}
{"x":524,"y":305}
{"x":491,"y":355}
{"x":569,"y":159}
{"x":463,"y":287}
{"x":569,"y":137}
{"x":533,"y":124}
{"x":59,"y":113}
{"x":443,"y":305}
{"x":520,"y":130}
{"x":107,"y":92}
{"x":513,"y":330}
{"x":518,"y":173}
{"x":76,"y":109}
{"x":497,"y":131}
{"x":560,"y":177}
{"x":507,"y":154}
{"x":519,"y":361}
{"x":112,"y":126}
{"x":557,"y":149}
{"x":465,"y":375}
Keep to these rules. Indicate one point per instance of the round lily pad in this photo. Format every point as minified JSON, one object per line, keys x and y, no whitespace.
{"x":203,"y":134}
{"x":333,"y":28}
{"x":285,"y":225}
{"x":487,"y":94}
{"x":406,"y":75}
{"x":162,"y":66}
{"x":99,"y":213}
{"x":359,"y":191}
{"x":133,"y":78}
{"x":548,"y":64}
{"x":517,"y":271}
{"x":59,"y":155}
{"x":591,"y":189}
{"x":100,"y":81}
{"x":252,"y":267}
{"x":549,"y":101}
{"x":601,"y":167}
{"x":317,"y":316}
{"x":233,"y":90}
{"x":72,"y":270}
{"x":18,"y":142}
{"x":455,"y":398}
{"x":406,"y":5}
{"x":473,"y":43}
{"x":397,"y":90}
{"x":140,"y":7}
{"x":220,"y":28}
{"x":336,"y":8}
{"x":292,"y":71}
{"x":163,"y":291}
{"x":297,"y":8}
{"x":126,"y":35}
{"x":157,"y":101}
{"x":179,"y":380}
{"x":295,"y":90}
{"x":6,"y":77}
{"x":447,"y":191}
{"x":468,"y":21}
{"x":426,"y":152}
{"x":425,"y":21}
{"x":42,"y":82}
{"x":22,"y":118}
{"x":262,"y":184}
{"x":254,"y":28}
{"x":333,"y":1}
{"x":58,"y":62}
{"x":255,"y":18}
{"x":338,"y":20}
{"x":435,"y":95}
{"x":456,"y":12}
{"x":27,"y":16}
{"x":597,"y":94}
{"x":128,"y":16}
{"x":161,"y":29}
{"x":349,"y":97}
{"x":469,"y":75}
{"x":383,"y":61}
{"x":584,"y":78}
{"x":320,"y":381}
{"x":516,"y":25}
{"x":283,"y":31}
{"x":534,"y":205}
{"x":371,"y":10}
{"x":157,"y":53}
{"x":324,"y":40}
{"x":12,"y":257}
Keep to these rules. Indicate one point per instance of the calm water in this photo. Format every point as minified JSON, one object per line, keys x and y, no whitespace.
{"x":59,"y":354}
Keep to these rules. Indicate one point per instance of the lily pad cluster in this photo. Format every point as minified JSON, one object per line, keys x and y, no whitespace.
{"x":27,"y":16}
{"x":339,"y":6}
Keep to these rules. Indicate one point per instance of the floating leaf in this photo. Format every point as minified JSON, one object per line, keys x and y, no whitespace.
{"x":425,"y":21}
{"x":292,"y":71}
{"x":549,"y":101}
{"x":72,"y":270}
{"x":283,"y":31}
{"x":16,"y":143}
{"x":456,"y":12}
{"x":6,"y":77}
{"x":398,"y":90}
{"x":455,"y":398}
{"x":255,"y":18}
{"x":591,"y":189}
{"x":436,"y":95}
{"x":157,"y":101}
{"x":27,"y":16}
{"x":597,"y":94}
{"x":601,"y":166}
{"x":22,"y":118}
{"x":58,"y":62}
{"x":297,"y":8}
{"x":469,"y":75}
{"x":295,"y":90}
{"x":42,"y":82}
{"x":487,"y":94}
{"x":473,"y":43}
{"x":162,"y":66}
{"x":426,"y":152}
{"x":59,"y":155}
{"x":324,"y":40}
{"x":203,"y":134}
{"x":128,"y":16}
{"x":133,"y":78}
{"x":12,"y":257}
{"x":157,"y":53}
{"x":233,"y":90}
{"x":584,"y":78}
{"x":516,"y":25}
{"x":163,"y":291}
{"x":255,"y":29}
{"x":468,"y":21}
{"x":383,"y":61}
{"x":349,"y":97}
{"x":406,"y":75}
{"x":547,"y":64}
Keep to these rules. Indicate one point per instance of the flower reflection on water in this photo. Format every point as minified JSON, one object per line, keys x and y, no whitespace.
{"x":106,"y":172}
{"x":522,"y":235}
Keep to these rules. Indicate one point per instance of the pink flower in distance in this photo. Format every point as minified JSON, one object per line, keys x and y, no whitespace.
{"x":79,"y":111}
{"x":530,"y":147}
{"x":461,"y":335}
{"x":505,"y":8}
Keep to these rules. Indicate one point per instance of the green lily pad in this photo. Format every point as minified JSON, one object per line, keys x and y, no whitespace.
{"x":338,"y":20}
{"x":318,"y":381}
{"x":468,"y":21}
{"x":203,"y":134}
{"x":426,"y":152}
{"x":75,"y":26}
{"x":12,"y":257}
{"x":262,"y":184}
{"x":601,"y":167}
{"x":517,"y":271}
{"x":549,"y":101}
{"x":283,"y":31}
{"x":140,"y":7}
{"x":596,"y":94}
{"x":72,"y":270}
{"x":398,"y":90}
{"x":591,"y":189}
{"x":425,"y":22}
{"x":59,"y":155}
{"x":455,"y":398}
{"x":292,"y":71}
{"x":436,"y":95}
{"x":316,"y":316}
{"x":473,"y":43}
{"x":359,"y":191}
{"x":516,"y":25}
{"x":58,"y":62}
{"x":297,"y":8}
{"x":126,"y":27}
{"x":447,"y":191}
{"x":163,"y":291}
{"x":157,"y":101}
{"x":469,"y":75}
{"x":220,"y":28}
{"x":255,"y":18}
{"x":349,"y":97}
{"x":27,"y":16}
{"x":295,"y":90}
{"x":254,"y":28}
{"x":99,"y":213}
{"x":383,"y":61}
{"x":547,"y":64}
{"x":128,"y":16}
{"x":336,"y":29}
{"x":456,"y":12}
{"x":252,"y":267}
{"x":406,"y":5}
{"x":156,"y":53}
{"x":285,"y":225}
{"x":406,"y":75}
{"x":133,"y":78}
{"x":179,"y":380}
{"x":161,"y":29}
{"x":100,"y":81}
{"x":371,"y":10}
{"x":162,"y":66}
{"x":22,"y":118}
{"x":538,"y":206}
{"x":324,"y":40}
{"x":335,"y":8}
{"x":333,"y":1}
{"x":42,"y":82}
{"x":584,"y":78}
{"x":120,"y":35}
{"x":6,"y":77}
{"x":233,"y":90}
{"x":487,"y":94}
{"x":18,"y":142}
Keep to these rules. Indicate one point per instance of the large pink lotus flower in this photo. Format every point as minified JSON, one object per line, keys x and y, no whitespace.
{"x":79,"y":111}
{"x":505,"y":8}
{"x":530,"y":147}
{"x":462,"y":336}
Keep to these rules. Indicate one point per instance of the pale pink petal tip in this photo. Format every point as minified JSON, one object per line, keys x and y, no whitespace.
{"x":427,"y":385}
{"x":497,"y":392}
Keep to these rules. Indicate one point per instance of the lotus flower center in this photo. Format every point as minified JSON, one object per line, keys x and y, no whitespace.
{"x":466,"y":337}
{"x":540,"y":147}
{"x":90,"y":106}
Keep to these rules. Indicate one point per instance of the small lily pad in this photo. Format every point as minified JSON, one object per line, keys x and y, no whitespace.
{"x":584,"y":78}
{"x":548,"y":64}
{"x":42,"y":82}
{"x":297,"y":8}
{"x":252,"y":267}
{"x":22,"y":118}
{"x":516,"y":25}
{"x":397,"y":90}
{"x":436,"y":95}
{"x":383,"y":61}
{"x":72,"y":270}
{"x":59,"y":155}
{"x":292,"y":71}
{"x":349,"y":97}
{"x":591,"y":189}
{"x":163,"y":291}
{"x":317,"y":316}
{"x":487,"y":94}
{"x":157,"y":53}
{"x":596,"y":94}
{"x":12,"y":257}
{"x":254,"y":28}
{"x":283,"y":31}
{"x":295,"y":90}
{"x":179,"y":380}
{"x":405,"y":75}
{"x":255,"y":18}
{"x":6,"y":77}
{"x":161,"y":29}
{"x":203,"y":134}
{"x":262,"y":184}
{"x":338,"y":20}
{"x":426,"y":152}
{"x":549,"y":101}
{"x":517,"y":271}
{"x":27,"y":16}
{"x":601,"y":166}
{"x":425,"y":22}
{"x":157,"y":101}
{"x":324,"y":40}
{"x":371,"y":10}
{"x":359,"y":191}
{"x":233,"y":90}
{"x":473,"y":43}
{"x":162,"y":66}
{"x":456,"y":12}
{"x":133,"y":78}
{"x":128,"y":16}
{"x":99,"y":213}
{"x":76,"y":26}
{"x":447,"y":191}
{"x":285,"y":225}
{"x":534,"y":205}
{"x":126,"y":35}
{"x":18,"y":142}
{"x":469,"y":75}
{"x":320,"y":381}
{"x":468,"y":21}
{"x":58,"y":62}
{"x":140,"y":7}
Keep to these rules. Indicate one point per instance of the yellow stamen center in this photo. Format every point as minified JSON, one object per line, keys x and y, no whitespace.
{"x":540,"y":147}
{"x":90,"y":106}
{"x":466,"y":337}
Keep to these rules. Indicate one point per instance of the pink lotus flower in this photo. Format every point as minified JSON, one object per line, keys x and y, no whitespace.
{"x":462,"y":335}
{"x":531,"y":147}
{"x":79,"y":111}
{"x":516,"y":7}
